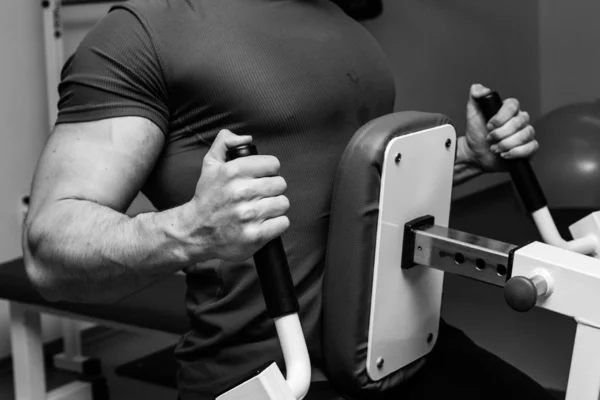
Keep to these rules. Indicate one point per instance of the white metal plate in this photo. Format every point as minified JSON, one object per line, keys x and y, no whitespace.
{"x":267,"y":385}
{"x":406,"y":304}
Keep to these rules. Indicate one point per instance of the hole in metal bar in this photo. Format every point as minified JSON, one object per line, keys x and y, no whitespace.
{"x":480,"y":264}
{"x":459,"y":258}
{"x":501,"y":270}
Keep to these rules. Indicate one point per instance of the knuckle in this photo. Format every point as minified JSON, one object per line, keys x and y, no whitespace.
{"x":231,"y":170}
{"x":239,"y":193}
{"x":528,"y":134}
{"x":246,"y":213}
{"x":253,"y":234}
{"x":522,"y":121}
{"x":493,"y":122}
{"x":511,"y":106}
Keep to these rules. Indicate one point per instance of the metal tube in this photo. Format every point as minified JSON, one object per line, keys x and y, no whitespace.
{"x":584,"y":373}
{"x":541,"y":285}
{"x":464,"y":254}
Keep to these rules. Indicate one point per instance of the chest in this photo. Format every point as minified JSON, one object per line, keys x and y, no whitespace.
{"x":277,"y":68}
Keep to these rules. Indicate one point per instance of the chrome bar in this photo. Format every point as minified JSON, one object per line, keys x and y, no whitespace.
{"x":464,"y":254}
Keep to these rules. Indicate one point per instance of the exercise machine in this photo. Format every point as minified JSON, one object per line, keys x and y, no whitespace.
{"x":389,"y":240}
{"x":415,"y":248}
{"x":558,"y":275}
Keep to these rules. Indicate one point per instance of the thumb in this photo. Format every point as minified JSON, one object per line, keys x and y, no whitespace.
{"x":477,"y":91}
{"x":224,"y":141}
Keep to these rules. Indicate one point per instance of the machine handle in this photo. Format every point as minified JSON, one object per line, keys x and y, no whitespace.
{"x":271,"y":263}
{"x":520,"y":170}
{"x":522,"y":293}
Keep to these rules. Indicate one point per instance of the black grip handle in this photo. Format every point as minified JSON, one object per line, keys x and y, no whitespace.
{"x":522,"y":174}
{"x":271,"y":263}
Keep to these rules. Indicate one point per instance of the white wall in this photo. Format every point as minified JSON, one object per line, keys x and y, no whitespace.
{"x":24,"y":120}
{"x":22,"y":112}
{"x":77,"y":22}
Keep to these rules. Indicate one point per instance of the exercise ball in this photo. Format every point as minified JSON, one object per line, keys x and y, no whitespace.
{"x":567,"y":163}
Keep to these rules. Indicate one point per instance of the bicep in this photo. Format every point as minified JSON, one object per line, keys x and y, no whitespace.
{"x":105,"y":162}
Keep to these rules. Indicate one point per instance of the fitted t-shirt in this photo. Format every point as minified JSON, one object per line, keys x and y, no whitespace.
{"x":300,"y":76}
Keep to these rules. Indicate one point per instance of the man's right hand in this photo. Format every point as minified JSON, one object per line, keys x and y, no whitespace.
{"x":239,"y":205}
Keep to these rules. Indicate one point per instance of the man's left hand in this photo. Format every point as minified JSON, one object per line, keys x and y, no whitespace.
{"x":508,"y":135}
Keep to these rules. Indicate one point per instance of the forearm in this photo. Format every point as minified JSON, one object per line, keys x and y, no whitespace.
{"x":81,"y":251}
{"x":464,"y":168}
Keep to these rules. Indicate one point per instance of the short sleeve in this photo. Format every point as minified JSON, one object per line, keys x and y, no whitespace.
{"x":114,"y":72}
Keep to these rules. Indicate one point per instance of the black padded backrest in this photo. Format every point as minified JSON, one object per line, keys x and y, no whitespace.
{"x":350,"y":256}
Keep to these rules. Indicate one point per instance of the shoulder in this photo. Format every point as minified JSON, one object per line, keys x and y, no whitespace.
{"x":156,"y":11}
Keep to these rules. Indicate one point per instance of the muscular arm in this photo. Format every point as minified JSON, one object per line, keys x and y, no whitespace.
{"x":78,"y":243}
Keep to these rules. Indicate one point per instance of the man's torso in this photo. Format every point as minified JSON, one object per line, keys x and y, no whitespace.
{"x":301,"y":78}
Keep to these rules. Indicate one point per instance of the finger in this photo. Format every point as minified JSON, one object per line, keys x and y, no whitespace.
{"x":517,"y":139}
{"x":478,"y":90}
{"x":510,"y":108}
{"x":515,"y":124}
{"x":272,"y":207}
{"x":525,"y":151}
{"x":257,"y":166}
{"x":225,"y":140}
{"x":274,"y":227}
{"x":267,"y":230}
{"x":259,"y":188}
{"x":263,"y":209}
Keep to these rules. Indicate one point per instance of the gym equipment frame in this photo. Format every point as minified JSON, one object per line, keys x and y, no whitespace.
{"x":415,"y":248}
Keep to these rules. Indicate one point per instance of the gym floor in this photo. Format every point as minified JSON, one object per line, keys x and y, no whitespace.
{"x":114,"y":348}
